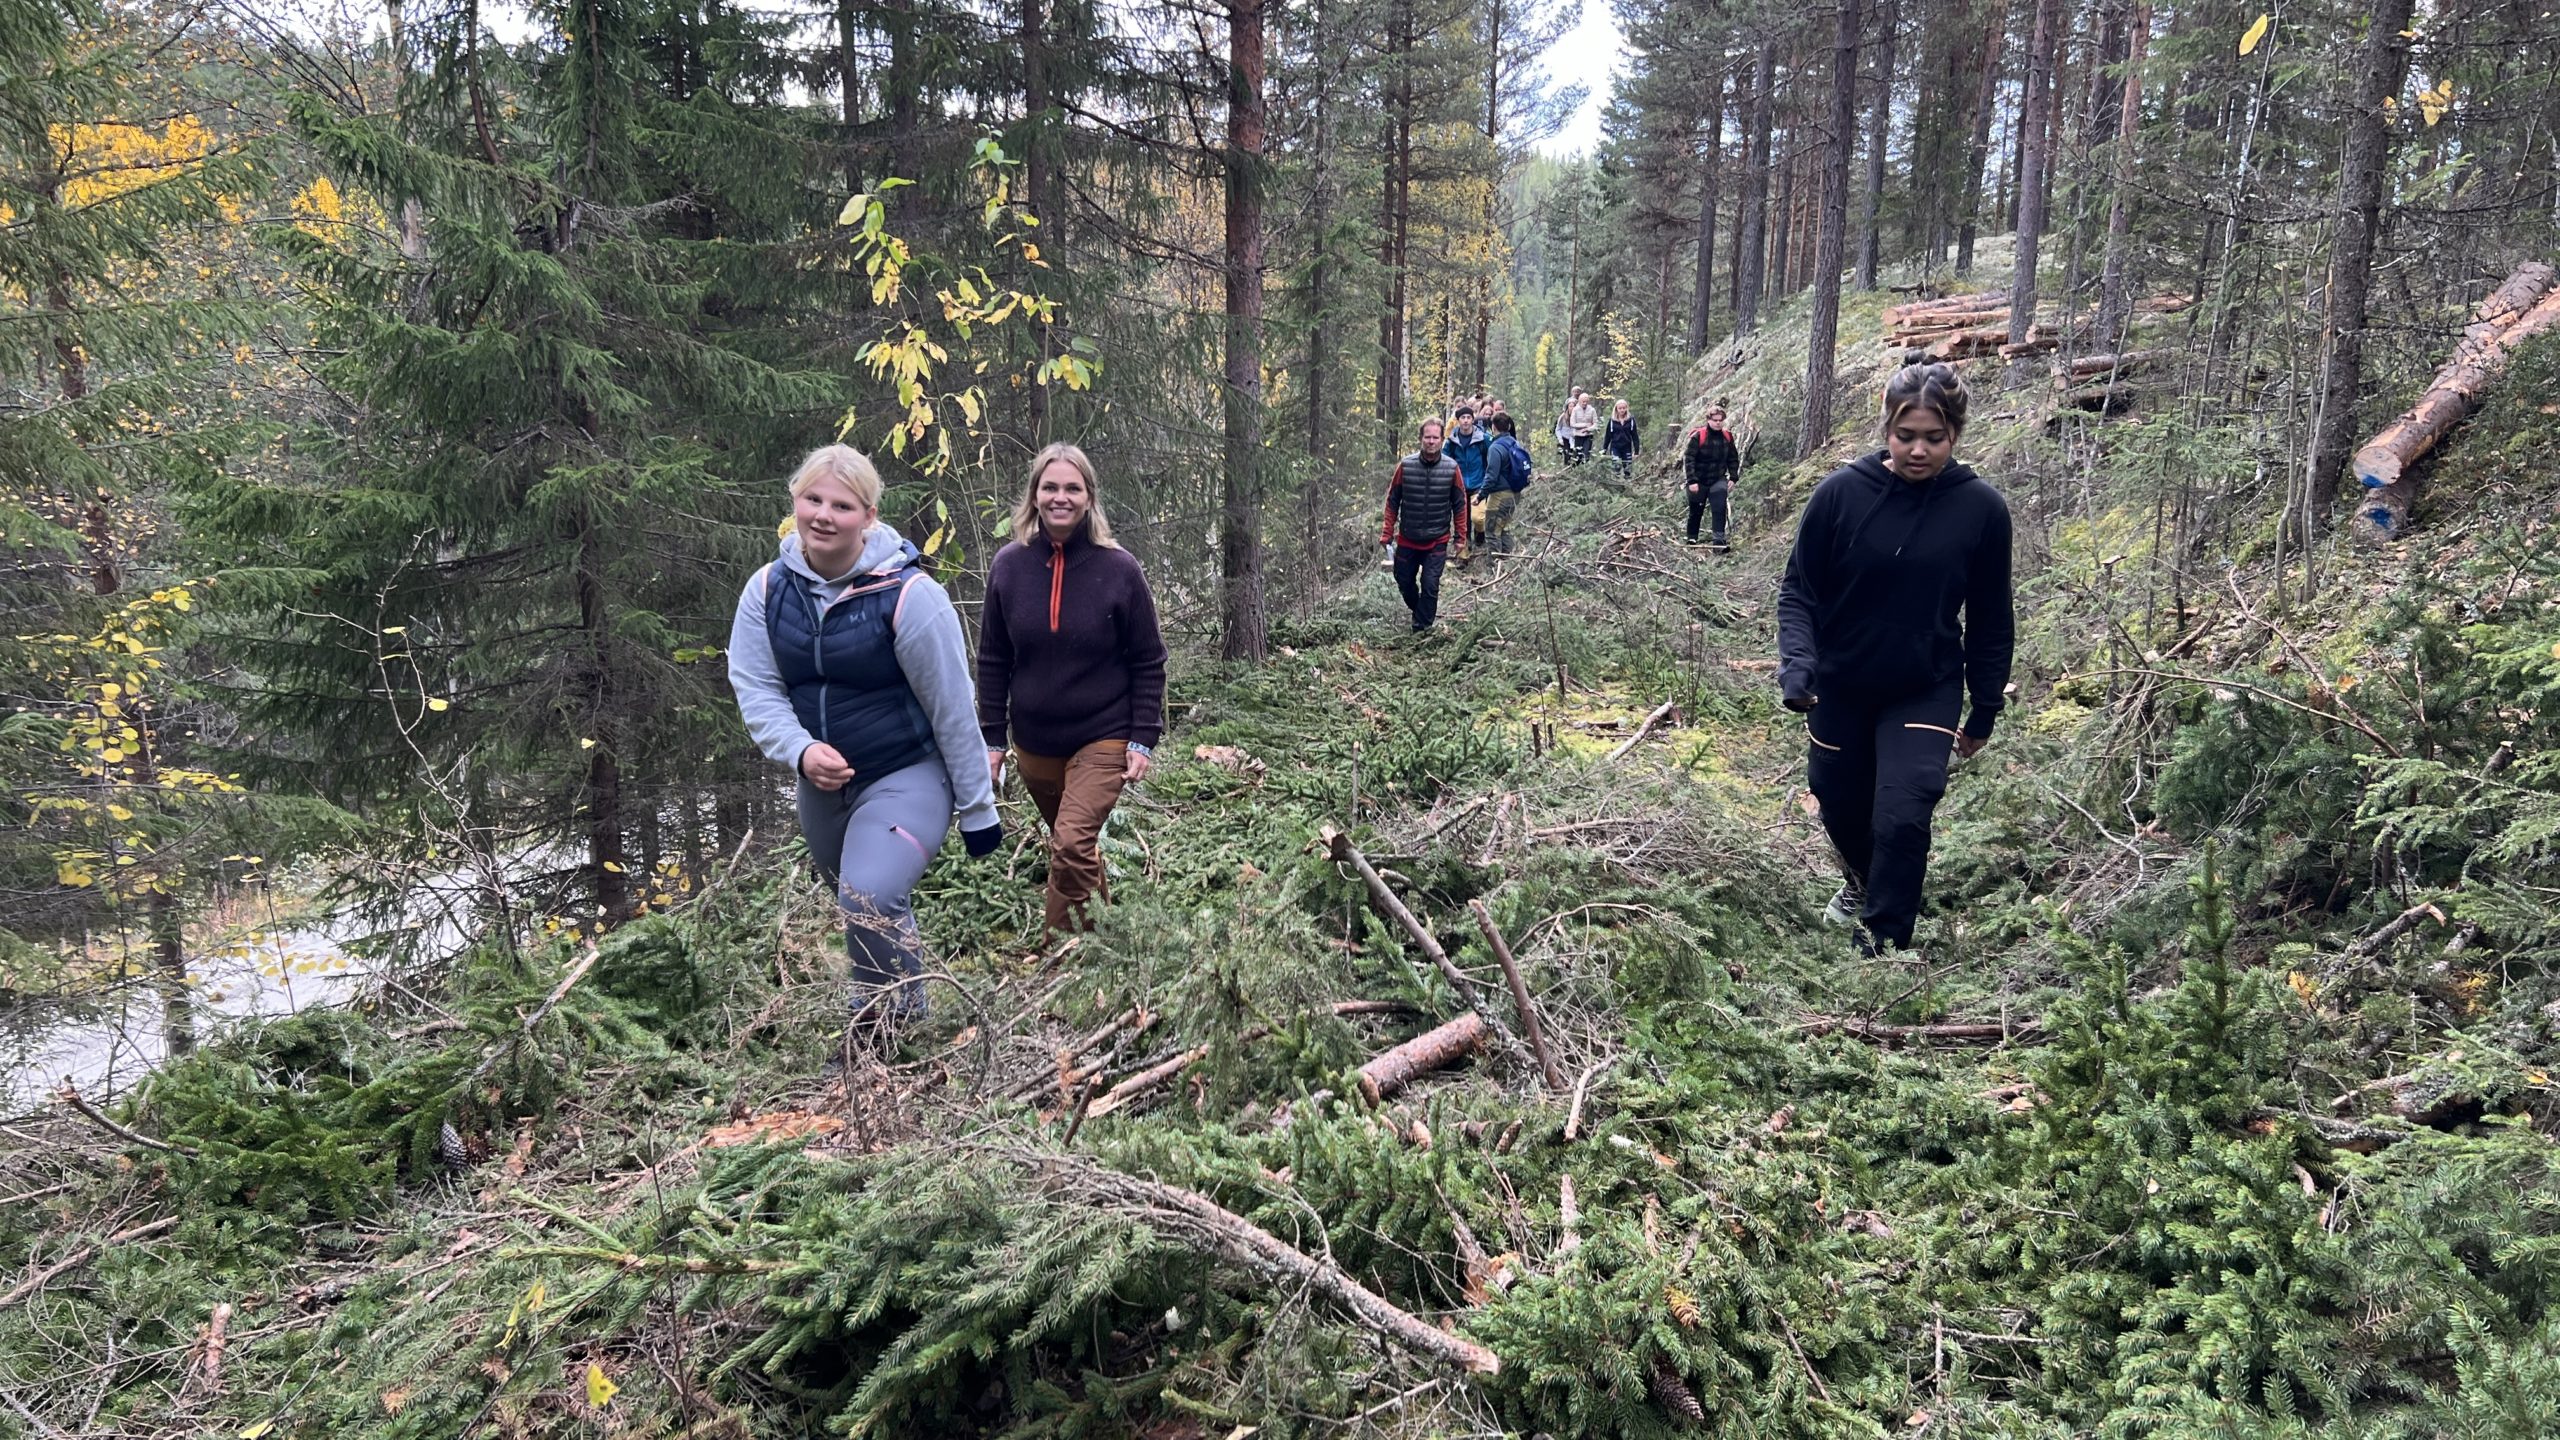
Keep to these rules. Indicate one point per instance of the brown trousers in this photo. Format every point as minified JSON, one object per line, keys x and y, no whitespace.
{"x":1075,"y":796}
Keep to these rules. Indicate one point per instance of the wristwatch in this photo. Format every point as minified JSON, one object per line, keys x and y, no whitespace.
{"x":1137,"y":749}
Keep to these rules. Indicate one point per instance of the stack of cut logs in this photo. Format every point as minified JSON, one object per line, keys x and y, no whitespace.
{"x":2526,"y":305}
{"x":1970,"y":327}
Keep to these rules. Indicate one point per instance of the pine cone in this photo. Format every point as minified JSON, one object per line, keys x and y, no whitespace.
{"x":449,"y":1148}
{"x":1684,"y":1306}
{"x":1674,"y":1395}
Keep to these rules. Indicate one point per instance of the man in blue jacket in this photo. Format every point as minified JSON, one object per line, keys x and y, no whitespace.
{"x":1507,"y":470}
{"x":1468,"y":447}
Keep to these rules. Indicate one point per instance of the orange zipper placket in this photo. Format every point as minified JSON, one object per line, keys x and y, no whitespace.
{"x":1057,"y":581}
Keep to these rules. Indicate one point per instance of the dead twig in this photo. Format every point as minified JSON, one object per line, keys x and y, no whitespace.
{"x":1198,"y":1221}
{"x":1519,"y":993}
{"x":70,"y":1096}
{"x":1395,"y":909}
{"x":1956,"y":1033}
{"x":82,"y":1256}
{"x":1632,"y":741}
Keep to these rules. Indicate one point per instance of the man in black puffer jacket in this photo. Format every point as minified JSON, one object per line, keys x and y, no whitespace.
{"x":1893,"y":548}
{"x":1426,"y":505}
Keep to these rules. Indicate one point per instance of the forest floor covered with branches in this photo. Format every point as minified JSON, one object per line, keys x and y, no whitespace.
{"x":2216,"y":1101}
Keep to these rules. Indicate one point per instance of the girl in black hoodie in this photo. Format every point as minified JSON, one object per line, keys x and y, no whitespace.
{"x":1871,"y":650}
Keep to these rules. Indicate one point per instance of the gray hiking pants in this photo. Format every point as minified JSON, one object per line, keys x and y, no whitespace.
{"x":872,"y":839}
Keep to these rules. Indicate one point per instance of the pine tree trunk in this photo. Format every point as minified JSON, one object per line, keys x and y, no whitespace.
{"x":1708,"y":176}
{"x":607,"y":866}
{"x":1240,"y":539}
{"x":1320,"y":325}
{"x":1037,"y":178}
{"x":2115,"y":284}
{"x":1978,"y":157}
{"x":1750,"y":245}
{"x":906,"y":77}
{"x":1879,"y":132}
{"x":1781,"y":278}
{"x":1396,"y":212}
{"x":849,"y":71}
{"x":2034,"y":147}
{"x":1829,"y":236}
{"x":2362,"y":170}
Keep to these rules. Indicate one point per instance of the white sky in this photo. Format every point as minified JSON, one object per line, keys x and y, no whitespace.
{"x":1591,"y":53}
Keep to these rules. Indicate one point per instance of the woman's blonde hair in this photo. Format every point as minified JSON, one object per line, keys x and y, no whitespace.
{"x":846,"y":466}
{"x":1026,"y":512}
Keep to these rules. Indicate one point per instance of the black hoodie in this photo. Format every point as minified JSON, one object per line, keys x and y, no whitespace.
{"x":1880,"y":570}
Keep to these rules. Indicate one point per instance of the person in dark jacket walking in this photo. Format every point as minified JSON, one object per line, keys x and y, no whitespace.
{"x":1426,"y":505}
{"x":1507,"y":471}
{"x":1712,"y":462}
{"x":1071,"y":661}
{"x":1620,"y":441}
{"x":850,"y":668}
{"x":1892,"y":549}
{"x":1469,"y":447}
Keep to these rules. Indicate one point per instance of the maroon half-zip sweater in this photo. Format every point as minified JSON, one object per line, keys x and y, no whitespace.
{"x":1068,"y":649}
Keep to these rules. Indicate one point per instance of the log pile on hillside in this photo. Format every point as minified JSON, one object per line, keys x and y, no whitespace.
{"x":2526,"y":305}
{"x":1973,"y":327}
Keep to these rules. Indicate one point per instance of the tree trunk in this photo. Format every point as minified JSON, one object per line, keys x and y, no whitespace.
{"x":2035,"y":147}
{"x":1829,"y":237}
{"x":1240,"y":539}
{"x":1712,"y":171}
{"x":608,"y":877}
{"x":1320,"y":305}
{"x":2115,"y":283}
{"x":1879,"y":131}
{"x":1396,"y":206}
{"x":2362,"y":171}
{"x":1978,"y":157}
{"x":906,"y":78}
{"x":1781,"y":277}
{"x":1750,"y":246}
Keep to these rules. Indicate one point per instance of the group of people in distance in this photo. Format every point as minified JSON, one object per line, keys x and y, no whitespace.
{"x":852,"y":669}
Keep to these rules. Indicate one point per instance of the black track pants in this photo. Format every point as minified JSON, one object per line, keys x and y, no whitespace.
{"x":1879,"y":768}
{"x":1418,"y":576}
{"x":1705,"y":497}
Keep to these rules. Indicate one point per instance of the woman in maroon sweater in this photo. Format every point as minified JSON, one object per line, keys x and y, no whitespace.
{"x":1068,"y":653}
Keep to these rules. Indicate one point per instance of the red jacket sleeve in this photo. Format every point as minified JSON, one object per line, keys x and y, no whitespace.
{"x":1395,"y":495}
{"x":1458,"y":515}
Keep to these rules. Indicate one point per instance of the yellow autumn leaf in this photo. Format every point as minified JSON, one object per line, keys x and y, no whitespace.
{"x":600,"y":1388}
{"x":434,"y":703}
{"x":616,"y":867}
{"x":2257,"y":32}
{"x":586,"y":744}
{"x":119,"y":812}
{"x":851,"y":214}
{"x":395,"y":629}
{"x":254,"y":1431}
{"x":933,"y":542}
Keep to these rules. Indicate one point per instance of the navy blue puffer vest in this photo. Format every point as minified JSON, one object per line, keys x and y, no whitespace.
{"x":841,"y":667}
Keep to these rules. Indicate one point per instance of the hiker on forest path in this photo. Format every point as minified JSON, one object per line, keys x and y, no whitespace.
{"x":1426,"y":506}
{"x":1871,"y":652}
{"x":1564,"y":435}
{"x":1712,"y":462}
{"x":1584,"y":417}
{"x":1621,"y":442}
{"x":850,"y":668}
{"x":1069,"y":657}
{"x":1507,"y":473}
{"x":1468,"y":446}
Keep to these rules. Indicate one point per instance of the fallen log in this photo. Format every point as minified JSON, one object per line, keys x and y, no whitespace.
{"x":1953,"y":1033}
{"x":1202,"y":1223}
{"x":1136,"y":1085}
{"x":82,"y":1256}
{"x":1394,"y":909}
{"x":2523,"y":307}
{"x":2031,"y":347}
{"x":1431,"y":1050}
{"x":2089,"y":367}
{"x":2106,"y":399}
{"x":1900,"y":316}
